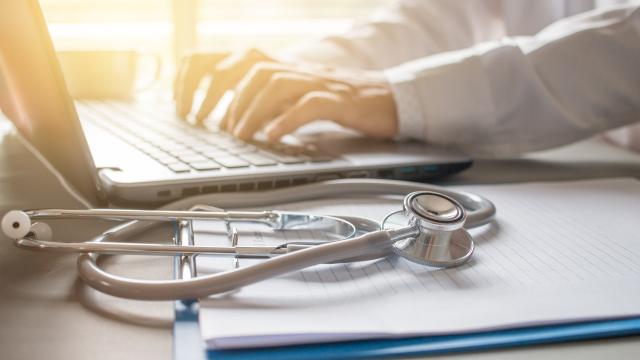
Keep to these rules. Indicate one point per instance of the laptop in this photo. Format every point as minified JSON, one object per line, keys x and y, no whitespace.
{"x":137,"y":153}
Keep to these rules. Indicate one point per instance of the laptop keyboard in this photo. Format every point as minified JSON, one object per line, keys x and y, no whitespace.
{"x":184,"y":148}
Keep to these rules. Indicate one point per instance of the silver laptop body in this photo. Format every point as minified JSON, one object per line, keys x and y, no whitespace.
{"x":141,"y":153}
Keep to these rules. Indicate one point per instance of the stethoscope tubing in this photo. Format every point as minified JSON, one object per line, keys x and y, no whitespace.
{"x":225,"y":281}
{"x":479,"y":211}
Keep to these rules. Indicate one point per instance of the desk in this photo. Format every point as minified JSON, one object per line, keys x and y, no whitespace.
{"x":42,"y":316}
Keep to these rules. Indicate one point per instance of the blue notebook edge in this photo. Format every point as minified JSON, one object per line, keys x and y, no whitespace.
{"x":188,"y":343}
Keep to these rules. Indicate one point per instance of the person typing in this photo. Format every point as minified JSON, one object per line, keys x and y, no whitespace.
{"x":492,"y":78}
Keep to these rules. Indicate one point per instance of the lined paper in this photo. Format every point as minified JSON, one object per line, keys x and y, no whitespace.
{"x":558,"y":252}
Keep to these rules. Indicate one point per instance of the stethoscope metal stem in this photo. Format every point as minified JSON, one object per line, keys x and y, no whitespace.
{"x":122,"y":248}
{"x":403,"y":233}
{"x":97,"y":246}
{"x":154,"y":215}
{"x":118,"y":248}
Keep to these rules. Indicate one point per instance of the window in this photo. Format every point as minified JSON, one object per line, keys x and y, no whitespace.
{"x":170,"y":27}
{"x":109,"y":23}
{"x":274,"y":24}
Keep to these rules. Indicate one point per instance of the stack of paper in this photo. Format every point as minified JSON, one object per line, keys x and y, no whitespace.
{"x":558,"y":252}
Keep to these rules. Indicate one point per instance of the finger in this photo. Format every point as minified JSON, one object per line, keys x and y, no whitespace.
{"x":187,"y":80}
{"x":224,"y":122}
{"x":227,"y":75}
{"x":247,"y":88}
{"x":177,"y":80}
{"x":219,"y":84}
{"x":194,"y":69}
{"x":281,"y":91}
{"x":313,"y":106}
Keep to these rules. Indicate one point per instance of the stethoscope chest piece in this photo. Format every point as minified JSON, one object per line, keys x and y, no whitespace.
{"x":441,"y":240}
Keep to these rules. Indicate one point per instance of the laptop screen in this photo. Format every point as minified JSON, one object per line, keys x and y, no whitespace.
{"x":34,"y":97}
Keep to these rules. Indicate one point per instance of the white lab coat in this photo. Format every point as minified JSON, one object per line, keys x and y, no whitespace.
{"x":498,"y":78}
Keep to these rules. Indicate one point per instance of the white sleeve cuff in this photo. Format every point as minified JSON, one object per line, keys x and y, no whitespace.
{"x":411,"y":121}
{"x":442,"y":98}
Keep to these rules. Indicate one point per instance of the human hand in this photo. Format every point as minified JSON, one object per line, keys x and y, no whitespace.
{"x":278,"y":98}
{"x":225,"y":69}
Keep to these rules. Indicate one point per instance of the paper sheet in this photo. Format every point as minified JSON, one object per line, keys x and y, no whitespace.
{"x":558,"y":252}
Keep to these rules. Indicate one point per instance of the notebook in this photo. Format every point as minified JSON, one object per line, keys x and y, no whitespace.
{"x":553,"y":257}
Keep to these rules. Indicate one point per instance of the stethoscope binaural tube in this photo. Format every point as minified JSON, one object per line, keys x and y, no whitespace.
{"x":479,"y":211}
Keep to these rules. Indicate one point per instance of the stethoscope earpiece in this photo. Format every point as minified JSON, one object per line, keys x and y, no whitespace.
{"x":41,"y":231}
{"x":16,"y":224}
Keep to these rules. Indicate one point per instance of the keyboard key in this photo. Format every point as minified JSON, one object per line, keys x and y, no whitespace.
{"x":241,"y":149}
{"x":159,"y":141}
{"x":157,"y":153}
{"x":212,"y":137}
{"x":131,"y":139}
{"x":167,"y":160}
{"x":196,"y":144}
{"x":285,"y":159}
{"x":318,"y":156}
{"x":290,"y":150}
{"x":225,"y":142}
{"x":171,"y":146}
{"x":205,"y":148}
{"x":213,"y":154}
{"x":179,"y":139}
{"x":208,"y":131}
{"x":192,"y":158}
{"x":258,"y":160}
{"x":146,"y":147}
{"x":179,"y":167}
{"x":182,"y":152}
{"x":231,"y":161}
{"x":204,"y":165}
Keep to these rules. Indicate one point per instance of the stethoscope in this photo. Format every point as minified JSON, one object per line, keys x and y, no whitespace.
{"x":429,"y":230}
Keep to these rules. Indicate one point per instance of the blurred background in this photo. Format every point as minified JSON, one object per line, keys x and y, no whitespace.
{"x":169,"y":28}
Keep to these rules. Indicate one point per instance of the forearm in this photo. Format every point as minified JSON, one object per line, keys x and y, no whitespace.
{"x":574,"y":79}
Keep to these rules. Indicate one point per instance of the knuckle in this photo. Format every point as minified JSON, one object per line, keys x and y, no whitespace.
{"x":211,"y":90}
{"x":256,"y":54}
{"x":340,"y":88}
{"x":245,"y":55}
{"x":260,"y":72}
{"x":198,"y":60}
{"x":277,"y":81}
{"x":312,"y":98}
{"x":261,"y":67}
{"x":253,"y":52}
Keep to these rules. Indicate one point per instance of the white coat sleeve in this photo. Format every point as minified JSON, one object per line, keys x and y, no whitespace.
{"x":577,"y":77}
{"x":406,"y":30}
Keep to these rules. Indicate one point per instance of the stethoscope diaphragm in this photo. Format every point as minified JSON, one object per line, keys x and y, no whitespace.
{"x":440,"y":239}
